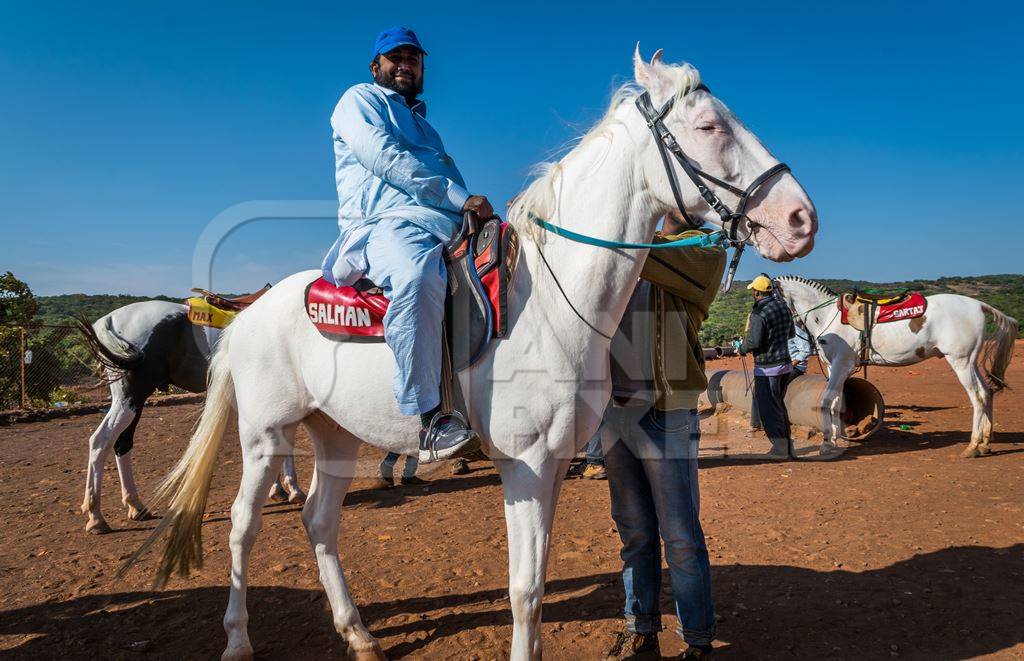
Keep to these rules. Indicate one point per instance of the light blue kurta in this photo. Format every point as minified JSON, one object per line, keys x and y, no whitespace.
{"x":389,"y":163}
{"x":400,"y":200}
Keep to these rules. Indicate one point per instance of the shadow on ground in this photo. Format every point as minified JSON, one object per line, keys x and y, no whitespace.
{"x":959,"y":602}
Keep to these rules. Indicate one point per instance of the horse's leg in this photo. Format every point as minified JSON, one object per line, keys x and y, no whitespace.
{"x":986,"y":423}
{"x":117,"y":420}
{"x":985,"y":395}
{"x":336,"y":453}
{"x":261,"y":461}
{"x":531,"y":493}
{"x":286,"y":487}
{"x":296,"y":495}
{"x":277,"y":493}
{"x":123,"y":455}
{"x":832,"y":403}
{"x":975,"y":387}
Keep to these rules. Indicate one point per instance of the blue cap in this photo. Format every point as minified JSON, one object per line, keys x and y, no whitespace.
{"x":390,"y":39}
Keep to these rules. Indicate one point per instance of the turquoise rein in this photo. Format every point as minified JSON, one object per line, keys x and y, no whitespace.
{"x":703,"y":241}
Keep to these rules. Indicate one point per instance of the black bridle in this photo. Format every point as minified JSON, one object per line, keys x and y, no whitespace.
{"x":732,"y":221}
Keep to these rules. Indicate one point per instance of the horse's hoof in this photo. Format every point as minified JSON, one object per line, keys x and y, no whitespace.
{"x":240,"y":653}
{"x":278,"y":494}
{"x":971,"y":452}
{"x":140,"y":514}
{"x":367,"y":654}
{"x":984,"y":450}
{"x":98,"y":527}
{"x":297,"y":497}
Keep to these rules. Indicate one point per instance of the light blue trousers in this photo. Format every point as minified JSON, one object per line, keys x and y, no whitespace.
{"x":407,"y":263}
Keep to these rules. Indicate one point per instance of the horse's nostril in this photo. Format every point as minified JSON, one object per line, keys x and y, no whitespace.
{"x":803,"y":222}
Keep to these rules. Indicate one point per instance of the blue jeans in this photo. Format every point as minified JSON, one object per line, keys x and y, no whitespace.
{"x":651,"y":459}
{"x":595,"y":454}
{"x":387,"y":467}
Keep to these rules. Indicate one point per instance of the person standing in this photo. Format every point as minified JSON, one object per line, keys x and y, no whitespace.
{"x":769,"y":330}
{"x":650,"y":437}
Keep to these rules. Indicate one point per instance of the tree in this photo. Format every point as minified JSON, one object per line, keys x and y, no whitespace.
{"x":17,"y":304}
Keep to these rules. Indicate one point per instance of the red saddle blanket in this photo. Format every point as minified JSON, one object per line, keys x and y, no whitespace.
{"x":910,"y":308}
{"x":349,"y":314}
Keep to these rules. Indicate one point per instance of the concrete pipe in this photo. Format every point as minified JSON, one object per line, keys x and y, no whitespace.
{"x":710,"y":353}
{"x":862,"y":413}
{"x":728,"y":350}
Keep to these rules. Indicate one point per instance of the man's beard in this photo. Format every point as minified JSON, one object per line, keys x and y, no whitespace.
{"x":409,"y":90}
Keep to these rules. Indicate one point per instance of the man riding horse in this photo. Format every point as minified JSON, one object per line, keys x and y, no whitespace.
{"x":401,"y":200}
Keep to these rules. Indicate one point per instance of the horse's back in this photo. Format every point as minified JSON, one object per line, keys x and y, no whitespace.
{"x":136,"y":322}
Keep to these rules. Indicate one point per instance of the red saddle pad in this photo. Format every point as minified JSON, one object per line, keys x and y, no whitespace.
{"x":345,"y":312}
{"x":912,"y":307}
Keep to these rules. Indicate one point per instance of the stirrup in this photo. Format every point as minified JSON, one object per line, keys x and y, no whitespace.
{"x":428,"y":451}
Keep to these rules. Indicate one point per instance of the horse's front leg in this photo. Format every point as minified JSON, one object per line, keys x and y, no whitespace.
{"x":832,"y":405}
{"x":531,"y":493}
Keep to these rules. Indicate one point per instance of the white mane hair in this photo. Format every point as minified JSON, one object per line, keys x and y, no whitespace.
{"x":810,"y":283}
{"x":541,"y":197}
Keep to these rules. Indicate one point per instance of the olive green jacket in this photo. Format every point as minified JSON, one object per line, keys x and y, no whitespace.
{"x":685,"y":282}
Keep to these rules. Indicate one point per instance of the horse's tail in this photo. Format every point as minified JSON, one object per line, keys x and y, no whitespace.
{"x":187,"y":486}
{"x":998,"y":348}
{"x":113,"y":352}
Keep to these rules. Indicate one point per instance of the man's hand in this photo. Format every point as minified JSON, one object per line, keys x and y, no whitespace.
{"x":480,"y":205}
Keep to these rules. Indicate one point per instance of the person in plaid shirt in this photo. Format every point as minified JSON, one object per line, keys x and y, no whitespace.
{"x":769,"y":329}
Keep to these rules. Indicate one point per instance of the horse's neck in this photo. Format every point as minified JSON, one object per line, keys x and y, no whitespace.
{"x":809,"y":304}
{"x":606,"y":200}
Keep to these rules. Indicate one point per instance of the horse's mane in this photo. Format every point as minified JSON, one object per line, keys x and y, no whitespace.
{"x":810,"y":283}
{"x":540,"y":197}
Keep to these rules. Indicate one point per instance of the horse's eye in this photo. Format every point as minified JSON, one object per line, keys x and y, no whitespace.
{"x":707,"y":127}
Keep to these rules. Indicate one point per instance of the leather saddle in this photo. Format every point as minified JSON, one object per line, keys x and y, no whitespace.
{"x":217,"y":311}
{"x":480,"y":269}
{"x":236,"y":303}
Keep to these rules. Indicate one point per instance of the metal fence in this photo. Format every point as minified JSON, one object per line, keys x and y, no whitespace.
{"x":46,"y":367}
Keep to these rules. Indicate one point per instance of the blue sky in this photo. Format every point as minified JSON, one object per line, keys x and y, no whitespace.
{"x":127,"y":127}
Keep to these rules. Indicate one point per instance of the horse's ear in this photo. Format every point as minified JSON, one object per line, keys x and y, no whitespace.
{"x":656,"y":58}
{"x":643,"y":72}
{"x":649,"y":75}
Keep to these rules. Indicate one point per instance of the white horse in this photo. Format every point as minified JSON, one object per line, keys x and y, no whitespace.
{"x":534,"y":398}
{"x":142,"y":347}
{"x":953,"y":326}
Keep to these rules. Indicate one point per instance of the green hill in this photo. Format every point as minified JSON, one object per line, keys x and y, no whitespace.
{"x":1004,"y":292}
{"x":62,"y":309}
{"x":728,"y":313}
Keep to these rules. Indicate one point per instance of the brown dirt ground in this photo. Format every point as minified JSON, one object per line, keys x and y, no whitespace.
{"x":898,"y":548}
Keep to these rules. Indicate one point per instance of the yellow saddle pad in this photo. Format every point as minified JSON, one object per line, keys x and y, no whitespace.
{"x":201,"y":313}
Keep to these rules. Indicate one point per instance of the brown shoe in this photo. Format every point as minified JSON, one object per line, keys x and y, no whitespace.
{"x":460,"y":467}
{"x":594,"y":472}
{"x":636,"y":646}
{"x":412,"y":482}
{"x":694,"y":653}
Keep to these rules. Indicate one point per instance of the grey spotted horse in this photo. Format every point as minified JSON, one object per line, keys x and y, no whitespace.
{"x":143,"y":347}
